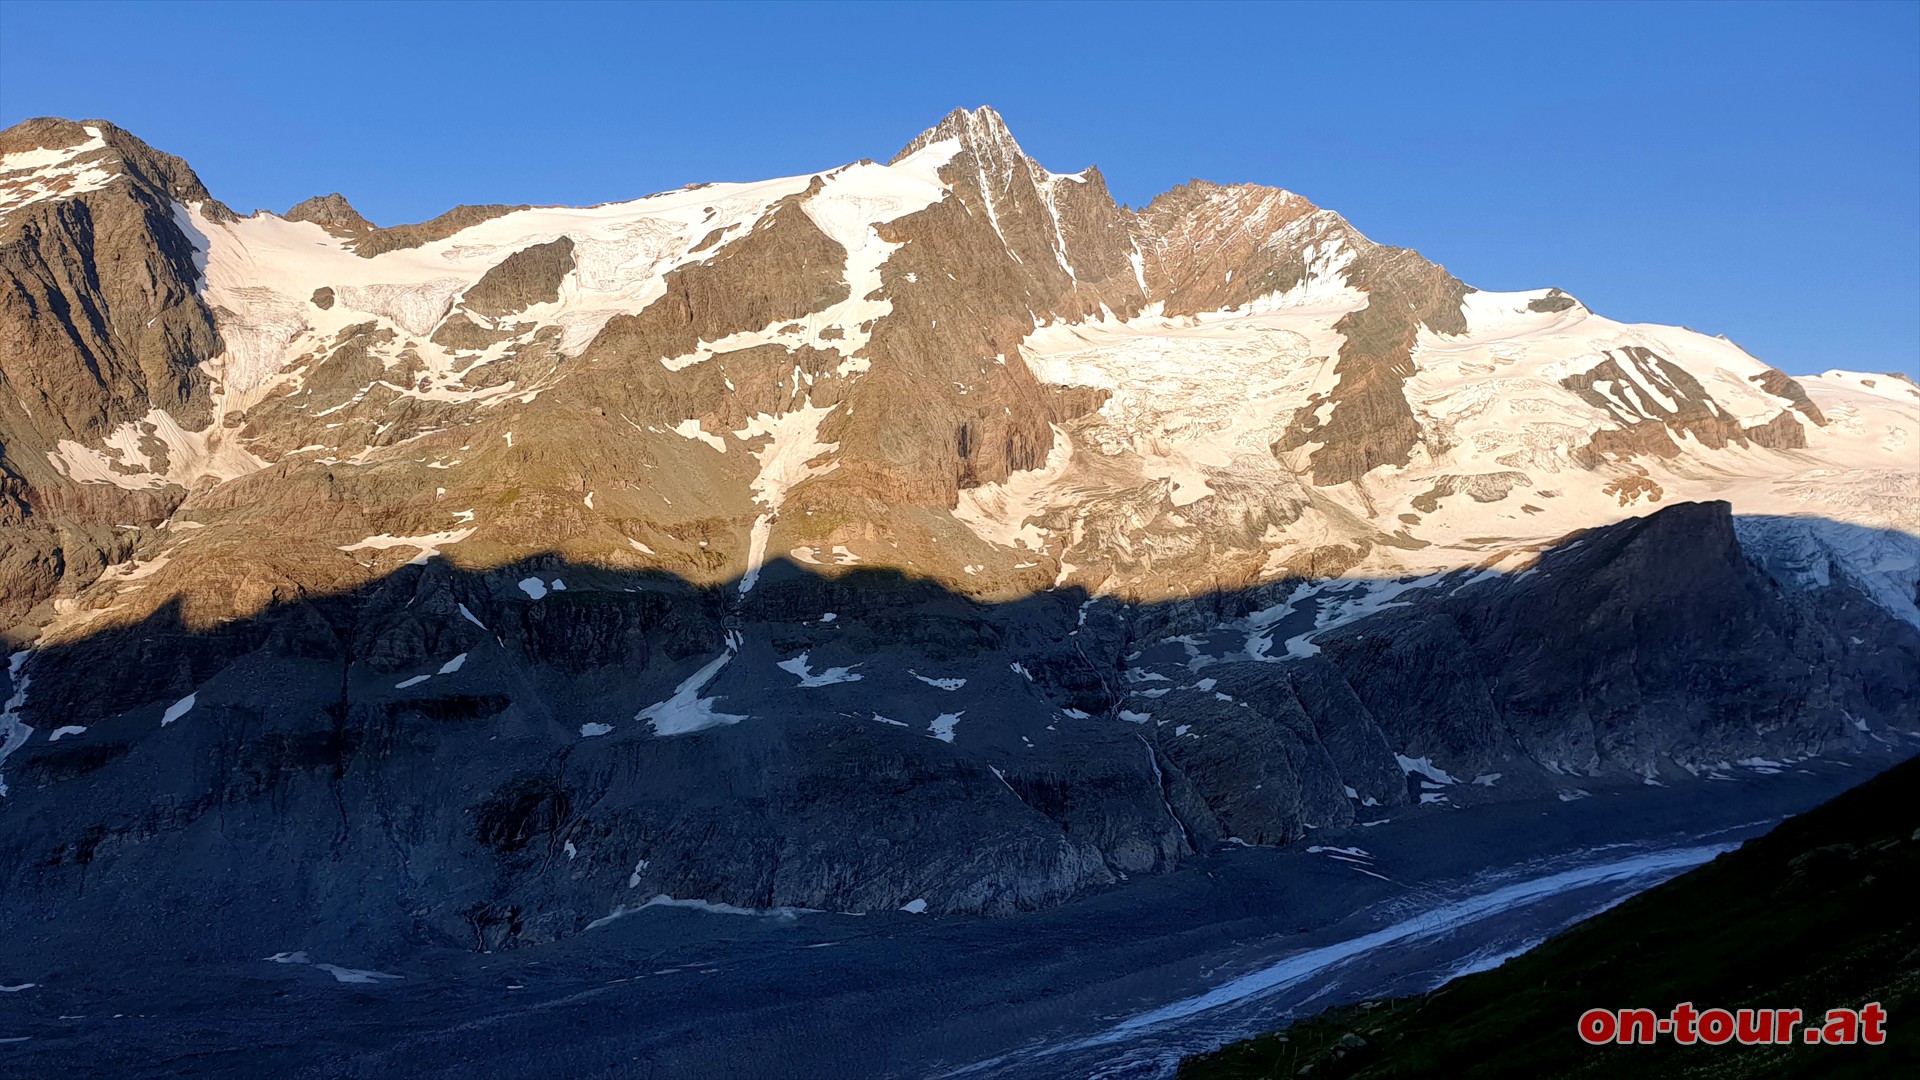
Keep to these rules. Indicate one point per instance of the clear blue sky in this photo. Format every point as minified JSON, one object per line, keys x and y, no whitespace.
{"x":1745,"y":169}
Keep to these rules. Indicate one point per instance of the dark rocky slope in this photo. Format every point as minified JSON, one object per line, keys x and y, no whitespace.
{"x":492,"y":758}
{"x":1817,"y":914}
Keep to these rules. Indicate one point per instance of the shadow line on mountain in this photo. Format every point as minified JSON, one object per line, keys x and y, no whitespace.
{"x":162,"y":657}
{"x":850,"y":742}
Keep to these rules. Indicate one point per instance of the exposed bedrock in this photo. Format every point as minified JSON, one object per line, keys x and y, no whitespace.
{"x":502,"y":758}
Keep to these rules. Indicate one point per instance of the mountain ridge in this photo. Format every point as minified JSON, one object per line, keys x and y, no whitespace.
{"x":936,"y":536}
{"x":1005,"y":305}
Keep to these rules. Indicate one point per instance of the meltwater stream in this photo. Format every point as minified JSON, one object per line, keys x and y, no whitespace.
{"x":1406,"y":956}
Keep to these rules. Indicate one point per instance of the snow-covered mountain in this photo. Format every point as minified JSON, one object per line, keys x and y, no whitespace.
{"x":1230,"y":386}
{"x":935,"y":532}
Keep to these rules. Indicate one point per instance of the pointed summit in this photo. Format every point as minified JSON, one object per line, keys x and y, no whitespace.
{"x":980,"y":130}
{"x":1068,"y":242}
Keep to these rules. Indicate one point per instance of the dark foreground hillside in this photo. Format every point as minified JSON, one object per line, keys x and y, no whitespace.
{"x":1820,"y":913}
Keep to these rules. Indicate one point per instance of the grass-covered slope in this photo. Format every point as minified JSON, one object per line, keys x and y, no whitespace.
{"x":1822,"y":912}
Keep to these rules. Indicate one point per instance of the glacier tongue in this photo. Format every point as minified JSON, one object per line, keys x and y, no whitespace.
{"x":1815,"y":553}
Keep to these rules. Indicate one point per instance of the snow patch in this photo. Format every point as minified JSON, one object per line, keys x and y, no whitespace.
{"x":1804,"y":553}
{"x":355,"y":975}
{"x":1000,"y":513}
{"x":56,"y":173}
{"x":942,"y":726}
{"x":786,"y":460}
{"x":664,"y":901}
{"x":340,"y":974}
{"x":13,"y":732}
{"x":690,"y":429}
{"x":178,"y":709}
{"x":686,"y":711}
{"x":809,"y":679}
{"x":428,"y":544}
{"x":1425,"y":767}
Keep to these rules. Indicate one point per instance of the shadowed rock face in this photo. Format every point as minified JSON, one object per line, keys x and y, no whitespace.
{"x":1830,"y":890}
{"x":503,"y":769}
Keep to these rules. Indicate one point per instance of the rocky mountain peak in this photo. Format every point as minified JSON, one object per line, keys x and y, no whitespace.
{"x":981,"y":130}
{"x":332,"y":213}
{"x":49,"y":133}
{"x":961,"y":363}
{"x":1061,"y":233}
{"x":89,"y":226}
{"x":49,"y":160}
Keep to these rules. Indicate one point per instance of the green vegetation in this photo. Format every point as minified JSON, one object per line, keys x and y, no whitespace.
{"x":1823,"y":912}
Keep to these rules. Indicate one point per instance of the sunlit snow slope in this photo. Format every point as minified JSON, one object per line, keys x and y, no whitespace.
{"x":958,"y":364}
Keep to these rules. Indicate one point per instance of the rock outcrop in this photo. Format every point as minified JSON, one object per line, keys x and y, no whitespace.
{"x":332,"y":213}
{"x":478,"y":750}
{"x":101,"y":324}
